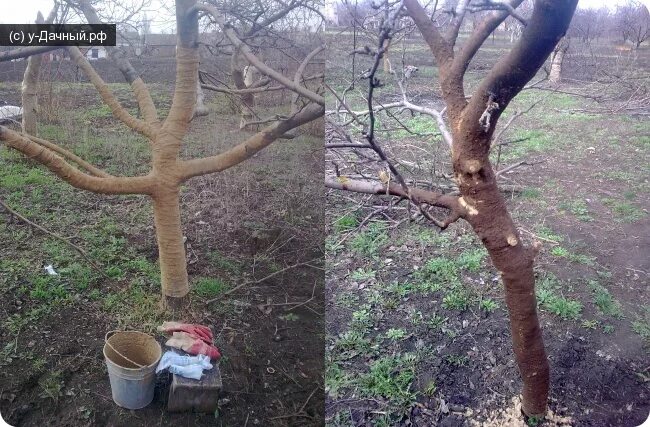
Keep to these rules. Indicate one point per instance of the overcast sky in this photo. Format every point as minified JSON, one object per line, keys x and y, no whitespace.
{"x":24,"y":12}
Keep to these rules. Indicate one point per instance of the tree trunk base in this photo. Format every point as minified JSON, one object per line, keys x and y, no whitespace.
{"x":175,"y":305}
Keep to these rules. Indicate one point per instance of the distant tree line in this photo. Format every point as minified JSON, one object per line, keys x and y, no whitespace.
{"x":628,"y":22}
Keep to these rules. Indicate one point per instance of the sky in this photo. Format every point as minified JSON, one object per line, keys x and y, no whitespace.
{"x":24,"y":12}
{"x":160,"y":12}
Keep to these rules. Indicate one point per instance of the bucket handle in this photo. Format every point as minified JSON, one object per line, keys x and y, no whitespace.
{"x":106,"y":337}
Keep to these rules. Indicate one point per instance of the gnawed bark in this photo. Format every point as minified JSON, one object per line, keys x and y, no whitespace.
{"x":243,"y":77}
{"x":489,"y":217}
{"x":200,"y":109}
{"x":30,"y":83}
{"x":472,"y":125}
{"x":557,"y":58}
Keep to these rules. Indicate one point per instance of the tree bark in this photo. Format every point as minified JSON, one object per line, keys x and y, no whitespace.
{"x":243,"y":77}
{"x":488,"y":215}
{"x":555,"y":75}
{"x":30,"y":84}
{"x":200,"y":109}
{"x":171,"y":248}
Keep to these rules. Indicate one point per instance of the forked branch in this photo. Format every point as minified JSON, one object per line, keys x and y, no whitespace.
{"x":239,"y":45}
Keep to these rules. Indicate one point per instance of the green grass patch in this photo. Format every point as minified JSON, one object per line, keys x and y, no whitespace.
{"x":624,"y":211}
{"x":369,"y":241}
{"x":209,"y":287}
{"x":578,"y":208}
{"x":550,"y":298}
{"x":346,"y":223}
{"x":390,"y":378}
{"x":471,"y":260}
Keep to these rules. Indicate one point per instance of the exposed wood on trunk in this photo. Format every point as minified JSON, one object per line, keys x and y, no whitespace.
{"x":557,"y":58}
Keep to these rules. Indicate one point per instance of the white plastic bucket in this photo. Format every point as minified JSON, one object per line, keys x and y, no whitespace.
{"x":131,"y":359}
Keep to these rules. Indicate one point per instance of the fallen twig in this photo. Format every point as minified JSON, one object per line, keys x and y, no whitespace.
{"x":56,"y":236}
{"x":254,"y":282}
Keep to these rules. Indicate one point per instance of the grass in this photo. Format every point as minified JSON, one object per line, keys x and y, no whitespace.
{"x":51,"y":386}
{"x":624,"y":211}
{"x":390,"y":378}
{"x":362,"y":274}
{"x":471,"y":260}
{"x":351,"y":344}
{"x":209,"y":287}
{"x":531,"y":141}
{"x":221,"y":262}
{"x":439,"y":270}
{"x":549,"y":297}
{"x":561,"y":252}
{"x":604,"y":301}
{"x":549,"y":234}
{"x":420,"y":124}
{"x":396,"y":334}
{"x":578,"y":208}
{"x":641,"y":325}
{"x":346,"y":223}
{"x":369,"y":241}
{"x":458,"y":298}
{"x":488,"y":305}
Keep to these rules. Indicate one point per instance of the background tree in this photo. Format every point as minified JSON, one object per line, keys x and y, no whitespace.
{"x":467,"y":126}
{"x":633,"y":22}
{"x":168,"y":172}
{"x":264,"y":26}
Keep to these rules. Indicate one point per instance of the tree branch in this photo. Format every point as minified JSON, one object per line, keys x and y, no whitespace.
{"x":441,"y":49}
{"x":24,"y":52}
{"x":417,"y":195}
{"x":73,"y":176}
{"x":142,"y":94}
{"x":252,"y":145}
{"x":104,"y":91}
{"x":510,"y":74}
{"x":254,"y":60}
{"x":478,"y":37}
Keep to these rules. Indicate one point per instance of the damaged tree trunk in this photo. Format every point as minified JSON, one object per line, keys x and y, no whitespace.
{"x":200,"y":109}
{"x":557,"y":58}
{"x":473,"y":123}
{"x":30,"y":83}
{"x":243,"y":75}
{"x":488,"y":215}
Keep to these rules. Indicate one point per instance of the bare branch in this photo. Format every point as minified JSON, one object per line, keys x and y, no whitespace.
{"x":252,"y":145}
{"x":25,"y":52}
{"x":254,"y":60}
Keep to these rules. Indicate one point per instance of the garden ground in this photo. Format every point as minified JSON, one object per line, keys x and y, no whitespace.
{"x":417,"y":330}
{"x":241,"y":225}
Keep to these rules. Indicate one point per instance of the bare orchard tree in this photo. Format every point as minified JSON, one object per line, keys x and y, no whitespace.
{"x":467,"y":126}
{"x":589,"y":24}
{"x":279,"y":29}
{"x":633,"y":22}
{"x":30,"y":81}
{"x":168,"y":172}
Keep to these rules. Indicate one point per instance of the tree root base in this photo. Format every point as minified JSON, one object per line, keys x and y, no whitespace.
{"x":175,"y":305}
